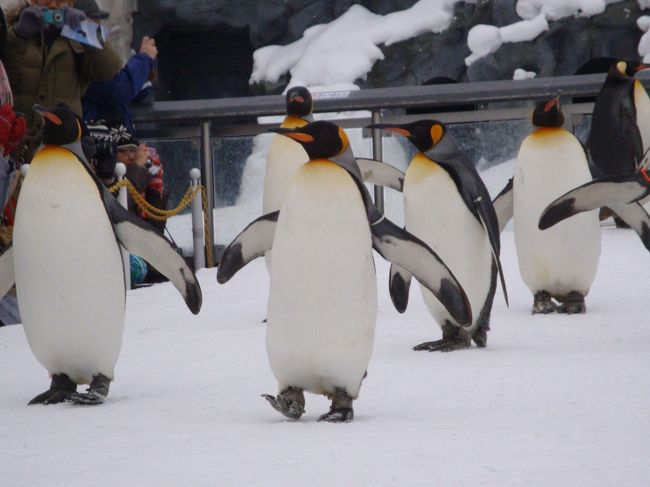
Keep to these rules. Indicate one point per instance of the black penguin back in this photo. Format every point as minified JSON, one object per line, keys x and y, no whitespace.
{"x":614,"y":142}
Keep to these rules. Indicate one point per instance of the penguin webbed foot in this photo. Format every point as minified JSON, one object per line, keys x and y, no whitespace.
{"x":444,"y":345}
{"x":480,"y":336}
{"x":573,"y":303}
{"x":341,"y":410}
{"x":51,"y":396}
{"x":543,"y":304}
{"x":94,"y":395}
{"x":290,"y":402}
{"x":338,"y":415}
{"x":60,"y":389}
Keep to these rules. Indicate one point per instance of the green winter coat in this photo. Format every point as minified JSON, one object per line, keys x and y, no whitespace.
{"x":58,"y":74}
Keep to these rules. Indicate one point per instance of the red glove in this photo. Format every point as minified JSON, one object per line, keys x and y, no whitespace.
{"x":12,"y":128}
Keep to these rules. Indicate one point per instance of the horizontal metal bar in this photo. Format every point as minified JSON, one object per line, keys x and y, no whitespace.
{"x":368,"y":99}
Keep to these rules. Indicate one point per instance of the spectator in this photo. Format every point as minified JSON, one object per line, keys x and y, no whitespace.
{"x":46,"y":68}
{"x":144,"y":170}
{"x":111,"y":100}
{"x":99,"y":148}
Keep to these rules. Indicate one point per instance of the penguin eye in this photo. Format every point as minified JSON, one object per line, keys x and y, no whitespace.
{"x":436,"y":133}
{"x":621,"y":66}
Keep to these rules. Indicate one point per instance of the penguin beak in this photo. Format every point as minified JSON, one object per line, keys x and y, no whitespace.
{"x":641,"y":67}
{"x":390,"y":128}
{"x":298,"y":98}
{"x":48,"y":115}
{"x":555,"y":101}
{"x":297,"y":136}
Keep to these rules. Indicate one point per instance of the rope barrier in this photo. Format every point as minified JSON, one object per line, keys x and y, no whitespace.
{"x":163,"y":215}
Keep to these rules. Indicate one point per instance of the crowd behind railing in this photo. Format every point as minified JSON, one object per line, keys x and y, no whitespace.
{"x":45,"y":61}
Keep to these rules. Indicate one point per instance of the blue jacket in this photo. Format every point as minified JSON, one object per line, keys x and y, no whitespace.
{"x":111,"y":100}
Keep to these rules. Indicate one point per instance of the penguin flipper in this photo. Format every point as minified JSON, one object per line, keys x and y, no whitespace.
{"x":616,"y":191}
{"x":399,"y":284}
{"x":7,"y":278}
{"x":483,"y":211}
{"x":381,"y":174}
{"x":400,"y":247}
{"x":637,"y":218}
{"x":503,"y":205}
{"x":141,"y":239}
{"x":253,"y":241}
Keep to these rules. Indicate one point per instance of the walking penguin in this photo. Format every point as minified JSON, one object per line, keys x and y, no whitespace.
{"x":66,"y":264}
{"x":323,"y":296}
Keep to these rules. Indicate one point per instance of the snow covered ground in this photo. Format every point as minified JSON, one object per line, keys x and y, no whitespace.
{"x":553,"y":400}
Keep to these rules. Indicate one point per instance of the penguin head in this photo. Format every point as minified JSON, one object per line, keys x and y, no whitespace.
{"x":424,"y":134}
{"x":299,"y":101}
{"x":61,"y":126}
{"x":626,"y":68}
{"x":321,"y":139}
{"x":548,"y":113}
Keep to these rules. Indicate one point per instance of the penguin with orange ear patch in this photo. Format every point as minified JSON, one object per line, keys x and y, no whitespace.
{"x":561,"y":262}
{"x":447,"y":205}
{"x":620,"y":126}
{"x":323,"y":296}
{"x":65,"y":262}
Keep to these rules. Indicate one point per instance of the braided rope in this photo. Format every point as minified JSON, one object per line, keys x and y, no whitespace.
{"x":163,"y":215}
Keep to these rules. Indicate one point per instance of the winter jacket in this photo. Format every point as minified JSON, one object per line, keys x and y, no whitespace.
{"x":110,"y":100}
{"x":58,"y":73}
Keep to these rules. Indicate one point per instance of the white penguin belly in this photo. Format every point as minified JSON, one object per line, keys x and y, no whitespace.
{"x":435,"y":212}
{"x":565,"y":257}
{"x":284,"y":159}
{"x":323,"y":298}
{"x":69,"y":277}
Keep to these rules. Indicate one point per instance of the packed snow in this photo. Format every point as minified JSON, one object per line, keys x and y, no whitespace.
{"x":523,"y":74}
{"x":346,"y":49}
{"x":554,"y":400}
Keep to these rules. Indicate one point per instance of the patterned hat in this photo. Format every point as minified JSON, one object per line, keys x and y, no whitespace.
{"x":123,"y":138}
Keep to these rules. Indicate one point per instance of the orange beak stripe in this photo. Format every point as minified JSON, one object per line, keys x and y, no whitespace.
{"x":52,"y":118}
{"x":399,"y":131}
{"x":641,"y":67}
{"x":300,"y":137}
{"x":298,"y":99}
{"x":550,"y":104}
{"x":645,"y":175}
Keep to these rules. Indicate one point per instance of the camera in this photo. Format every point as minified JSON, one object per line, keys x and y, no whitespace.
{"x":54,"y":16}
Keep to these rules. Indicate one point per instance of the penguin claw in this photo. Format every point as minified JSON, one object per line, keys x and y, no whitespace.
{"x":285,"y":406}
{"x":90,"y":398}
{"x":338,"y":415}
{"x":51,"y":396}
{"x":444,"y":345}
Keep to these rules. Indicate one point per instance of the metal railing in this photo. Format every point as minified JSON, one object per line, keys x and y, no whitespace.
{"x":480,"y":101}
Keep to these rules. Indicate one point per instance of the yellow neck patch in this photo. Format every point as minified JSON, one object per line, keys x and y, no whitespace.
{"x":421,"y":167}
{"x":291,"y":122}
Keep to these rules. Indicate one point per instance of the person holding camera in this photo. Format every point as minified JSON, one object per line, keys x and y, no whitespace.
{"x":45,"y":68}
{"x":144,"y":170}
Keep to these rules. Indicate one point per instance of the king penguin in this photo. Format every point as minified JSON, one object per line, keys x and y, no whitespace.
{"x":323,"y":299}
{"x":285,"y":156}
{"x":620,"y":125}
{"x":447,"y":205}
{"x":560,"y":263}
{"x":67,"y":267}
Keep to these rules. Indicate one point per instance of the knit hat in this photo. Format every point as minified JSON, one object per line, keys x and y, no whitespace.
{"x":123,"y":138}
